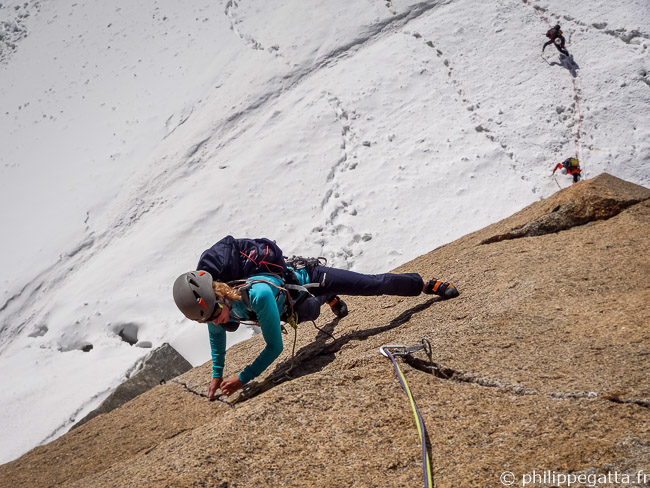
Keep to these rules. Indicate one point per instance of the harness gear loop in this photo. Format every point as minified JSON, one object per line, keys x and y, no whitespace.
{"x":299,"y":262}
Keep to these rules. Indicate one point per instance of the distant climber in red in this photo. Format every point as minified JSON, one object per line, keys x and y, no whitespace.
{"x":557,"y":39}
{"x":570,"y":166}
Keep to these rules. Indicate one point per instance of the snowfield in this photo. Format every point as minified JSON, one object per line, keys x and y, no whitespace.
{"x":134,"y":135}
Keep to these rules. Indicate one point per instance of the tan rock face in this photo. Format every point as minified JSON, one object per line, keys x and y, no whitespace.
{"x":541,"y":365}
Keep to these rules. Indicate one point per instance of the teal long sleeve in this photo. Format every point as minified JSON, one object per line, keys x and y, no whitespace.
{"x":218,"y":348}
{"x":262,"y":299}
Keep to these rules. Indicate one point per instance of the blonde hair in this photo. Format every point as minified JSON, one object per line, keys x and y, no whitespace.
{"x":222,"y":290}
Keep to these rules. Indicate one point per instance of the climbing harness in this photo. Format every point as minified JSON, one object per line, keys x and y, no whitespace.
{"x":299,"y":262}
{"x":243,"y":286}
{"x":294,"y":292}
{"x":289,"y":312}
{"x":390,"y":352}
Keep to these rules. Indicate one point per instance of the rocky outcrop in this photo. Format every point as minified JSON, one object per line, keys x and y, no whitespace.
{"x":604,"y":198}
{"x":541,"y":364}
{"x":159,"y":366}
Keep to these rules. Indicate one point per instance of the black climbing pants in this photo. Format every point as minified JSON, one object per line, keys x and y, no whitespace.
{"x":334,"y":281}
{"x":561,"y":48}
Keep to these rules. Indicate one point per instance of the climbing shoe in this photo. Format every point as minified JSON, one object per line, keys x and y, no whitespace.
{"x":440,"y":288}
{"x":338,"y":306}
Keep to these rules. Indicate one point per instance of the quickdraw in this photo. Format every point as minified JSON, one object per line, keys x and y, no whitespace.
{"x":390,"y":352}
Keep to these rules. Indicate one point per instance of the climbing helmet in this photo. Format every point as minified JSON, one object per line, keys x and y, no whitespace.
{"x":195,"y":297}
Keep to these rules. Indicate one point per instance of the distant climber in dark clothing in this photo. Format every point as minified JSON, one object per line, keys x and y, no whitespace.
{"x":570,"y":166}
{"x":557,"y":39}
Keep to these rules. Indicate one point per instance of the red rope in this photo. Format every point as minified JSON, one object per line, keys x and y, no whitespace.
{"x":575,"y":90}
{"x":577,"y":100}
{"x":538,"y":13}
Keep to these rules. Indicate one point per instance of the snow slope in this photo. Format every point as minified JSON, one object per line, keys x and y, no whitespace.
{"x":136,"y":134}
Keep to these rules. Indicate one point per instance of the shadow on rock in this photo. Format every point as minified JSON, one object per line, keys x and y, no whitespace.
{"x":318,"y":354}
